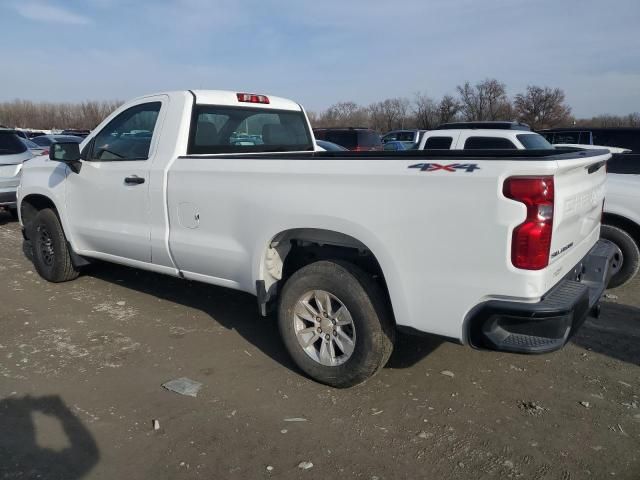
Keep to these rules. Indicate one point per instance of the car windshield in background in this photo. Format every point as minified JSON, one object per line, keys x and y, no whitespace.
{"x":10,"y":144}
{"x":346,"y":138}
{"x":533,"y":141}
{"x":368,"y":138}
{"x":330,"y":147}
{"x":405,"y":136}
{"x":47,"y":140}
{"x":239,"y":129}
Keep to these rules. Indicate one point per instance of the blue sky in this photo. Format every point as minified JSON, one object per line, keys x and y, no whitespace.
{"x":321,"y":52}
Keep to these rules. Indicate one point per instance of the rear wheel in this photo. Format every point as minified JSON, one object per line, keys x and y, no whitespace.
{"x":630,"y":254}
{"x":335,"y":323}
{"x":50,"y":251}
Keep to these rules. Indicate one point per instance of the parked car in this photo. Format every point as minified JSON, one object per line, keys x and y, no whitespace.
{"x":395,"y":146}
{"x":330,"y":146}
{"x":35,"y":148}
{"x":47,"y":140}
{"x":13,"y":153}
{"x":483,"y":136}
{"x":21,"y":134}
{"x":35,"y":133}
{"x":355,"y":139}
{"x":628,"y":138}
{"x":413,"y":136}
{"x":621,"y":218}
{"x":75,"y":132}
{"x":346,"y":246}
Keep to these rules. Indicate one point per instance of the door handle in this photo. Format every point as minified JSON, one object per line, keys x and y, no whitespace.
{"x":133,"y":180}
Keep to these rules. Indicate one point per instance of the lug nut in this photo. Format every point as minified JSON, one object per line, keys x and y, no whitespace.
{"x":333,"y":321}
{"x":326,"y":337}
{"x":335,"y":332}
{"x":319,"y":330}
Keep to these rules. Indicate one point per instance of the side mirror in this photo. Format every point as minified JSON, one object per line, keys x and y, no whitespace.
{"x":64,"y":152}
{"x":68,"y":153}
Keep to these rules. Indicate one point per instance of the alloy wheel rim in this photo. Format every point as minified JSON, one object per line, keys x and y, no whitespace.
{"x":324,"y":328}
{"x":46,"y":246}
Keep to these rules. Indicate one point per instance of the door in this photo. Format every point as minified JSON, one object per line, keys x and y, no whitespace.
{"x":108,"y":200}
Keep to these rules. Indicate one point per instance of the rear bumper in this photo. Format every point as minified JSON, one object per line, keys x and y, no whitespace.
{"x":547,"y":325}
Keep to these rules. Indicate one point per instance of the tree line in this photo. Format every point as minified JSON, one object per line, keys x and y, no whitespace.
{"x":539,"y":107}
{"x":49,"y":115}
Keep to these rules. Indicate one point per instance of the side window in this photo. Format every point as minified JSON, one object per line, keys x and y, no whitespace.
{"x":488,"y":143}
{"x":442,"y":143}
{"x":128,"y":136}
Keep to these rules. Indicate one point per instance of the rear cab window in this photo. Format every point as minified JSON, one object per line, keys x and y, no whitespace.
{"x":10,"y":144}
{"x":224,"y":129}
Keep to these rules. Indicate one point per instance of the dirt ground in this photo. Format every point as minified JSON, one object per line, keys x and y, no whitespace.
{"x":82,"y":364}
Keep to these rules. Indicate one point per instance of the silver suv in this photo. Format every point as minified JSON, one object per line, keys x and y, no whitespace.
{"x":13,"y":153}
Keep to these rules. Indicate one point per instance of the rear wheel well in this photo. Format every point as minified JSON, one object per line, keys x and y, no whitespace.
{"x":623,"y":223}
{"x":298,"y":248}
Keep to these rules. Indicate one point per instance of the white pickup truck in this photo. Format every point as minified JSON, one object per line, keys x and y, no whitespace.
{"x":493,"y":249}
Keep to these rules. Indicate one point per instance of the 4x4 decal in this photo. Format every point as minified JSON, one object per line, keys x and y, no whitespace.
{"x":452,"y":167}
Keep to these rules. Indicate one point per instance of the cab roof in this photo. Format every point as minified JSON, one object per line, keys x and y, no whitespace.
{"x":230,"y":98}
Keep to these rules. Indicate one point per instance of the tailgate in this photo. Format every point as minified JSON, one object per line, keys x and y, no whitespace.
{"x":579,"y":195}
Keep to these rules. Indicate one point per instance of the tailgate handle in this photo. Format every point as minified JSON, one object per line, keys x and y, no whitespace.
{"x":133,"y":180}
{"x":594,"y":167}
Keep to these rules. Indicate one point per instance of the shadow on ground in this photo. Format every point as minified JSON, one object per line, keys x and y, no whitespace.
{"x":238,"y":311}
{"x":615,"y":334}
{"x":70,"y":455}
{"x":5,"y":217}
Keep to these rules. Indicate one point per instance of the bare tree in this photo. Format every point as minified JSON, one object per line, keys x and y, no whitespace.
{"x":609,"y":121}
{"x":487,"y":100}
{"x":425,"y":111}
{"x":448,"y":109}
{"x":343,"y":114}
{"x":390,"y":114}
{"x":542,"y":107}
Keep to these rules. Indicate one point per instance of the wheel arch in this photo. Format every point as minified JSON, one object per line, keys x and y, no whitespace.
{"x":623,"y":223}
{"x":31,"y":204}
{"x":291,"y":249}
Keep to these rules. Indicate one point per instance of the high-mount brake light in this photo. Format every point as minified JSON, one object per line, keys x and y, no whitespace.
{"x":531,"y":241}
{"x":252,"y":98}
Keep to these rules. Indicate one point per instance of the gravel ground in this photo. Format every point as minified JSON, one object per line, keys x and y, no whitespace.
{"x":82,"y":364}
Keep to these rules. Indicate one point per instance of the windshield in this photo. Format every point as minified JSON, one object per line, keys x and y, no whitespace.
{"x":238,"y":129}
{"x":534,"y":141}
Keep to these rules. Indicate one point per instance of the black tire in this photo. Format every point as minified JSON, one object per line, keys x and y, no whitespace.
{"x":630,"y":254}
{"x":50,"y":251}
{"x":367,"y":304}
{"x":14,"y":213}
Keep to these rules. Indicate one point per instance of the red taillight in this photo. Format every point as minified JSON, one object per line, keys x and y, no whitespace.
{"x":252,"y":98}
{"x":531,"y":242}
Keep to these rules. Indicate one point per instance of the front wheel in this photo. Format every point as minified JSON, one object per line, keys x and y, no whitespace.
{"x":630,"y":254}
{"x":50,"y":251}
{"x":335,"y":323}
